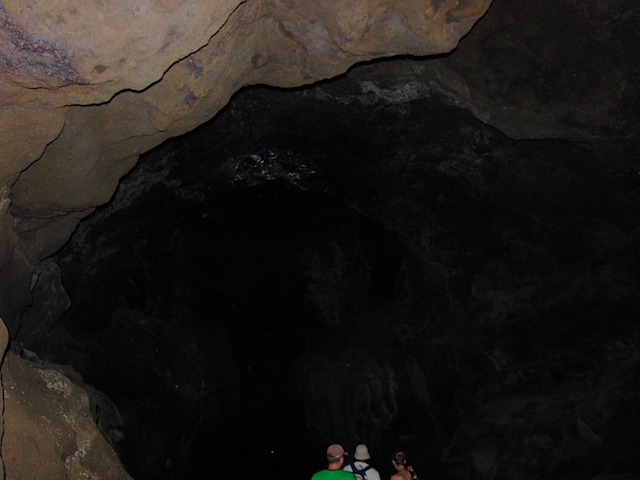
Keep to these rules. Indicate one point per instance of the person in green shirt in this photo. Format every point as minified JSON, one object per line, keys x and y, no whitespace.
{"x":335,"y":460}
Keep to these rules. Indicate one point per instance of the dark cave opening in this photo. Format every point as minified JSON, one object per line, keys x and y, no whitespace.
{"x":298,"y":272}
{"x":193,"y":328}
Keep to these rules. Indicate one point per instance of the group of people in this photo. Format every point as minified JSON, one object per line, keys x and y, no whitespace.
{"x":339,"y":469}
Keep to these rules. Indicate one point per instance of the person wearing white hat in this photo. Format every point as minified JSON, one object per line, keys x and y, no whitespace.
{"x":360,"y":468}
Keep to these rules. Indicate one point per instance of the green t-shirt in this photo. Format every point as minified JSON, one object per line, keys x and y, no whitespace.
{"x":327,"y":474}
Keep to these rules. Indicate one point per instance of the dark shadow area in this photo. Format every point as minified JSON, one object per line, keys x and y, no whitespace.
{"x":345,"y":264}
{"x":194,"y":322}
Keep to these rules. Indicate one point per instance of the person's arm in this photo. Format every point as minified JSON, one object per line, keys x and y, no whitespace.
{"x":412,"y":472}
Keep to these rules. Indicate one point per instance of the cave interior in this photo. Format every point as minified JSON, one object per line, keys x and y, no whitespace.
{"x":339,"y":263}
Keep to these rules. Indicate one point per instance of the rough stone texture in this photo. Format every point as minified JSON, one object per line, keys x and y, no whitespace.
{"x":81,"y":100}
{"x":534,"y":436}
{"x":86,"y":88}
{"x":178,"y":65}
{"x":4,"y":341}
{"x":49,"y":303}
{"x":52,"y":418}
{"x":535,"y":69}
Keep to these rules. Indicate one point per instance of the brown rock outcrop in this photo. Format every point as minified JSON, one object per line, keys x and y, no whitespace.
{"x":48,"y":417}
{"x":87,"y":88}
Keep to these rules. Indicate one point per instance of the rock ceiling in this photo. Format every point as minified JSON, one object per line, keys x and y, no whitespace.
{"x":81,"y":100}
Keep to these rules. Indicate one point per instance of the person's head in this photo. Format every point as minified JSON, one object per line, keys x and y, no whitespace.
{"x":399,"y":458}
{"x":335,"y":455}
{"x":361,"y":453}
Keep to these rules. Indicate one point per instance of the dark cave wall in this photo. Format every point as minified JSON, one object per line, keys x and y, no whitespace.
{"x":536,"y":70}
{"x":404,"y":273}
{"x":207,"y":310}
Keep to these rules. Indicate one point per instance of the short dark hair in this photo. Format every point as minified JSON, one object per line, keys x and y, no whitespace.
{"x":399,"y":457}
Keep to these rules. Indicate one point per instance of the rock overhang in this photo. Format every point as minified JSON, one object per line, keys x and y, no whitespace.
{"x":88,"y":88}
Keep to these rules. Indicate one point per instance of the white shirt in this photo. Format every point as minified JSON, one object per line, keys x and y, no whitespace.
{"x":372,"y":473}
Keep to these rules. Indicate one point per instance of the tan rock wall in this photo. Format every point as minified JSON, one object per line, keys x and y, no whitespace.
{"x":86,"y":88}
{"x":48,"y":417}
